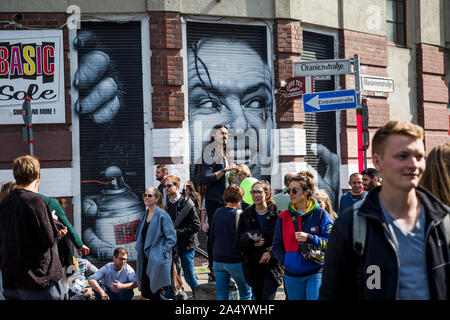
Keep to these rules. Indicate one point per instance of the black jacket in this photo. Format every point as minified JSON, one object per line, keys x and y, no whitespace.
{"x":188,"y":229}
{"x":248,"y":229}
{"x":214,"y":188}
{"x":29,"y":238}
{"x":345,"y":274}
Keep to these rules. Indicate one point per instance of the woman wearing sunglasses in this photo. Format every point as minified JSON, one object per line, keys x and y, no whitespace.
{"x":255,"y":233}
{"x":300,"y":239}
{"x":155,"y":238}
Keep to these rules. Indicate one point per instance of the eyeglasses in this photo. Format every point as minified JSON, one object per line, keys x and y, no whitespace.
{"x":147,"y":195}
{"x":294,"y":191}
{"x":168,"y":185}
{"x":256,"y":192}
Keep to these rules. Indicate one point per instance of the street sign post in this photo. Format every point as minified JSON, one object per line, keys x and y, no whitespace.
{"x":329,"y":101}
{"x":27,"y":119}
{"x":343,"y":99}
{"x":377,"y":84}
{"x":322,"y":67}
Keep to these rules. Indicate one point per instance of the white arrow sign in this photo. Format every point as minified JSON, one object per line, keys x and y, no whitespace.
{"x":314,"y":102}
{"x":329,"y":100}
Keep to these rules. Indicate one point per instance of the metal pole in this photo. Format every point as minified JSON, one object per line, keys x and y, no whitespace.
{"x":365,"y":128}
{"x":31,"y":141}
{"x":28,"y":130}
{"x":359,"y":121}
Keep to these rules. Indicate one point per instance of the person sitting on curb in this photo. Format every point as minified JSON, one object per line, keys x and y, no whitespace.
{"x":118,"y":278}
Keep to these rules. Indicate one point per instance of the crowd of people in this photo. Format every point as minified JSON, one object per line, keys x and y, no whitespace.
{"x":394,"y":221}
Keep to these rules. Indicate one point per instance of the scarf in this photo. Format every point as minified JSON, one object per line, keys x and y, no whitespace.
{"x":313,"y":205}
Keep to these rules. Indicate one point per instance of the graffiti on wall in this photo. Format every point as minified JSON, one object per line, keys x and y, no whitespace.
{"x":109,"y":106}
{"x":230,"y":83}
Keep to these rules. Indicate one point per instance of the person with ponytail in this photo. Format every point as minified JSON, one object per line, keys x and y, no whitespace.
{"x":300,"y":239}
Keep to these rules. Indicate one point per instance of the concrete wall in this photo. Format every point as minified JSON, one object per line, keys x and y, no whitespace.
{"x":86,"y":6}
{"x":365,"y":16}
{"x":362,"y":16}
{"x":432,"y":22}
{"x":402,"y":68}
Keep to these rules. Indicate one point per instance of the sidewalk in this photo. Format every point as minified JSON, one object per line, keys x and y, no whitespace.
{"x":202,"y":278}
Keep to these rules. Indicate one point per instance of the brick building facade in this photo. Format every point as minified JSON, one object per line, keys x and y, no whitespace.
{"x":166,"y":80}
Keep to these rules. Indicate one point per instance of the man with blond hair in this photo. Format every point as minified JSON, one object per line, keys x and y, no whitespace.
{"x":394,"y":244}
{"x":29,"y":235}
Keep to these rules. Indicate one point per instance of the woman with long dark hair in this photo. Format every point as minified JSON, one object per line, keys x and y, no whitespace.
{"x":189,"y":190}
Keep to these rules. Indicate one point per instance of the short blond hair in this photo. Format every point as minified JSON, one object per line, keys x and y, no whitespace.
{"x":26,"y":169}
{"x":322,"y":195}
{"x":394,"y":127}
{"x":243,"y":168}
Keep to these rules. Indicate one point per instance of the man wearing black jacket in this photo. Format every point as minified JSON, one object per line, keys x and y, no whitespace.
{"x":215,"y":172}
{"x":405,"y":255}
{"x":30,"y":265}
{"x":187,"y":226}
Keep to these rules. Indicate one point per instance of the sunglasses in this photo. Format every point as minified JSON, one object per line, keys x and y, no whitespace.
{"x":256,"y":192}
{"x":294,"y":191}
{"x":168,"y":185}
{"x":149,"y":195}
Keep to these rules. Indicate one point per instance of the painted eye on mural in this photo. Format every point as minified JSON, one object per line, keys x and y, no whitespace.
{"x":209,"y":105}
{"x":256,"y":103}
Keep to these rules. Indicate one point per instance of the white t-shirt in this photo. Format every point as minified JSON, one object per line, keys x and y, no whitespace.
{"x":108,"y":275}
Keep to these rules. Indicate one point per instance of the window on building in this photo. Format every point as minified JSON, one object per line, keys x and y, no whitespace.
{"x":395,"y":22}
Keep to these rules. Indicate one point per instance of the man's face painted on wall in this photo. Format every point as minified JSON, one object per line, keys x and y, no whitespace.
{"x":231,"y":90}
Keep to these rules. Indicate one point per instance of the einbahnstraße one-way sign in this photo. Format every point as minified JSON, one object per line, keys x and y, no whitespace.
{"x":329,"y":101}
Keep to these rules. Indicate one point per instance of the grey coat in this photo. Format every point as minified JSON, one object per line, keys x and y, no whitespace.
{"x":157,"y":247}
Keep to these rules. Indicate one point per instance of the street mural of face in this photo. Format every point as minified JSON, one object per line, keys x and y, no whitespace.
{"x":233,"y":90}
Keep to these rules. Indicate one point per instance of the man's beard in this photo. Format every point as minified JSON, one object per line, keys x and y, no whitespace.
{"x":370,"y":186}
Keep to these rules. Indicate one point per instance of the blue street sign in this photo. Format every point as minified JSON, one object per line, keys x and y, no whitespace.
{"x":329,"y":100}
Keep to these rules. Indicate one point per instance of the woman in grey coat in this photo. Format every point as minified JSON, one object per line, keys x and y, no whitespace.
{"x":155,"y":238}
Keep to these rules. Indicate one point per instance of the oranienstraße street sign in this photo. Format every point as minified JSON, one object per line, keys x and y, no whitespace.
{"x":377,"y":84}
{"x":322,"y":67}
{"x":329,"y":100}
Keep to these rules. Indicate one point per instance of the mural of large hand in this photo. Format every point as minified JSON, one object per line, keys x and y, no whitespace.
{"x":98,"y":89}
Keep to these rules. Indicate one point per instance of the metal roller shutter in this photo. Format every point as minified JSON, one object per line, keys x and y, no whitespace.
{"x":112,"y":153}
{"x":222,"y":80}
{"x":321,"y":126}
